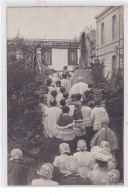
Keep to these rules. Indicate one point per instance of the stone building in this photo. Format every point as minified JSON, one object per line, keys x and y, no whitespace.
{"x":109,"y":39}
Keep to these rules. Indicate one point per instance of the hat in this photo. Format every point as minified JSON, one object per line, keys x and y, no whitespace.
{"x":64,"y":147}
{"x":113,"y":177}
{"x":16,"y":154}
{"x":46,"y":170}
{"x":95,"y":149}
{"x":81,"y":145}
{"x":102,"y":157}
{"x":105,"y":145}
{"x":105,"y":121}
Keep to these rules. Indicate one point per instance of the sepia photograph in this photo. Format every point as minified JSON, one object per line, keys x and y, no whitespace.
{"x":65,"y":91}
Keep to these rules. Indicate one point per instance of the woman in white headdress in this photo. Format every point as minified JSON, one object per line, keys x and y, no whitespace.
{"x":17,"y":172}
{"x":45,"y":172}
{"x":62,"y":161}
{"x":83,"y":158}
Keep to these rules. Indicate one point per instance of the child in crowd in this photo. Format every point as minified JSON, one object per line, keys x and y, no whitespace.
{"x":62,"y":161}
{"x":17,"y":172}
{"x":91,"y":103}
{"x":65,"y":96}
{"x":72,"y":177}
{"x":90,"y":87}
{"x":105,"y":134}
{"x":49,"y":90}
{"x":52,"y":115}
{"x":58,"y":86}
{"x":78,"y":117}
{"x":86,"y":112}
{"x":97,"y":114}
{"x":45,"y":172}
{"x":53,"y":94}
{"x":83,"y":158}
{"x":60,"y":96}
{"x":71,"y":106}
{"x":86,"y":94}
{"x":78,"y":98}
{"x":62,"y":103}
{"x":65,"y":125}
{"x":49,"y":85}
{"x":55,"y":78}
{"x":73,"y":98}
{"x":65,"y":69}
{"x":66,"y":82}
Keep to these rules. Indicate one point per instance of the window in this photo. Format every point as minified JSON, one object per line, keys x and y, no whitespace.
{"x":48,"y":57}
{"x":114,"y":27}
{"x":72,"y":57}
{"x":114,"y":64}
{"x":102,"y":33}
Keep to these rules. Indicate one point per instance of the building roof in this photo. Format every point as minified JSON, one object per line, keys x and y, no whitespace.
{"x":104,"y":11}
{"x":48,"y":43}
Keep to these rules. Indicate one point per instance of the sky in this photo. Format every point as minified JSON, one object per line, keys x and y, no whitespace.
{"x":50,"y":22}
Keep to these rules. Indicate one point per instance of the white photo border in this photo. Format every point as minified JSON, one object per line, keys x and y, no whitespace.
{"x":3,"y":70}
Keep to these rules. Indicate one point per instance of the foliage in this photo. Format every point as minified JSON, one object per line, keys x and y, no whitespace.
{"x":109,"y":89}
{"x":25,"y":92}
{"x":113,"y":94}
{"x":26,"y":89}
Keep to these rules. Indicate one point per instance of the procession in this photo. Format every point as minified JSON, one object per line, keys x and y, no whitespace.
{"x":65,"y":123}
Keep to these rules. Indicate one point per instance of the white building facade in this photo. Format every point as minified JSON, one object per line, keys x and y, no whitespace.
{"x":56,"y":53}
{"x":109,"y":39}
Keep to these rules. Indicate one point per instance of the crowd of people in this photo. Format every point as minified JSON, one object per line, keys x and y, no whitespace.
{"x":80,"y":125}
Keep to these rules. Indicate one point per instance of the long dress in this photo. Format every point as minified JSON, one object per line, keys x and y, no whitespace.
{"x":51,"y":118}
{"x":66,"y":83}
